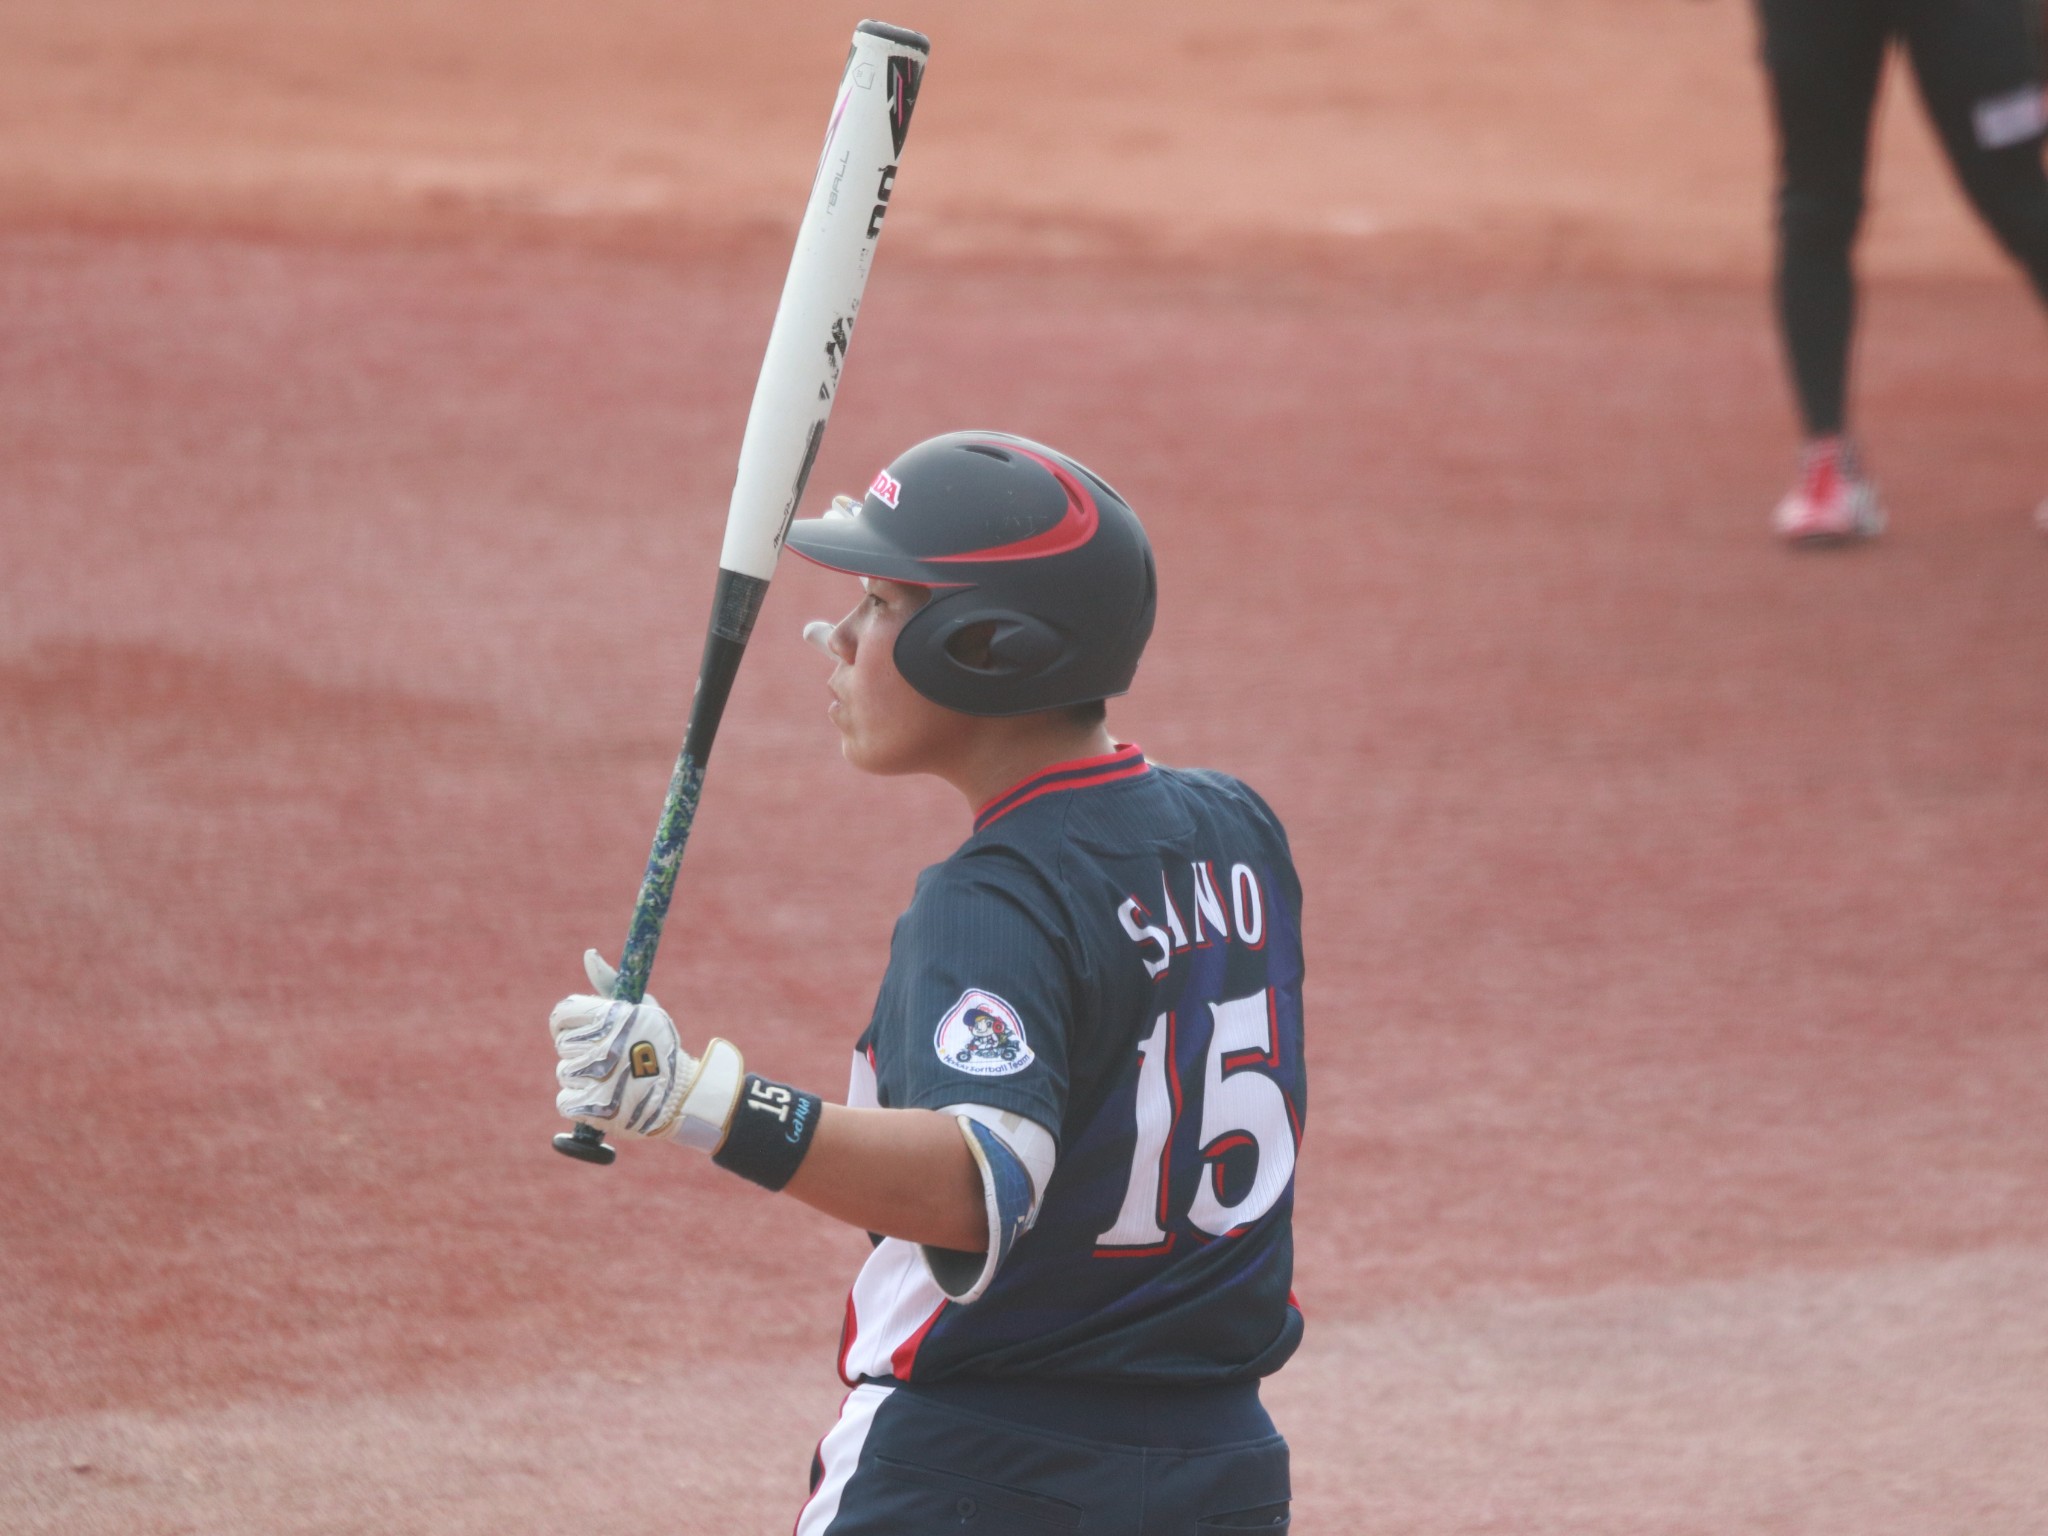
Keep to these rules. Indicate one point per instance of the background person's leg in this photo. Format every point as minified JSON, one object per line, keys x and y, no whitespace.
{"x":1823,"y":58}
{"x":1980,"y":68}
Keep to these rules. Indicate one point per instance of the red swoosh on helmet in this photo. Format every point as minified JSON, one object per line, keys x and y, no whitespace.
{"x":1073,"y":530}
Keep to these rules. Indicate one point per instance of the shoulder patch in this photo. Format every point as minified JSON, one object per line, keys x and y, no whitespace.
{"x":981,"y":1035}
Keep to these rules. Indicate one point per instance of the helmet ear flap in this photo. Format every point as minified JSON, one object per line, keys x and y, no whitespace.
{"x":981,"y":660}
{"x":999,"y":644}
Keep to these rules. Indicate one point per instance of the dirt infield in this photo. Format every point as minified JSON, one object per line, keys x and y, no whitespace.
{"x":1577,"y":133}
{"x":1678,"y":915}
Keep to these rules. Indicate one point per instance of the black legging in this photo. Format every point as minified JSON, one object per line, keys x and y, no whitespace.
{"x":1824,"y":58}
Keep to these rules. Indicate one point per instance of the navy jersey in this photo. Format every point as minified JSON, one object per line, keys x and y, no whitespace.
{"x":1115,"y":954}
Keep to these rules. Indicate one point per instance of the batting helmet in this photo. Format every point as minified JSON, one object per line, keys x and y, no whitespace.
{"x":1042,"y":582}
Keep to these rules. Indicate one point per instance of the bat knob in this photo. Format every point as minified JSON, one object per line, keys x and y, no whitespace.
{"x":586,"y":1142}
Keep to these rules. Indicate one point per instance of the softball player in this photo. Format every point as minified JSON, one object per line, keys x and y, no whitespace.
{"x":1979,"y":68}
{"x":1074,"y":1117}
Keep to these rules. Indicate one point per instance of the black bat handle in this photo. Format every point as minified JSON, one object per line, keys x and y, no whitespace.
{"x":586,"y":1142}
{"x":734,"y":607}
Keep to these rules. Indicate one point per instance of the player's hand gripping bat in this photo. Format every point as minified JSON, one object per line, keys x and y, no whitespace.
{"x":799,"y":379}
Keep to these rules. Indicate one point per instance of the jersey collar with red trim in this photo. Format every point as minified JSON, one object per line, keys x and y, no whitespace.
{"x":1126,"y":762}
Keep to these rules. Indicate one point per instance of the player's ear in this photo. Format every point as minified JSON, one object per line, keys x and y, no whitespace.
{"x":970,"y":646}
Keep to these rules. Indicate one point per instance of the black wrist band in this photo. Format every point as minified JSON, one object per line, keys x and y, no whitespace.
{"x":772,"y":1127}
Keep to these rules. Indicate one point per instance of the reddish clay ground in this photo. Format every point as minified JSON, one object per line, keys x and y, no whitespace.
{"x":1678,"y":908}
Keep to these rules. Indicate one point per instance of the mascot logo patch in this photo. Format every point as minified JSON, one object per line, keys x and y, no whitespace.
{"x":982,"y":1035}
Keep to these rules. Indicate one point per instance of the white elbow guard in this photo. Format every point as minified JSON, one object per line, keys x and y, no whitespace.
{"x":1016,"y":1158}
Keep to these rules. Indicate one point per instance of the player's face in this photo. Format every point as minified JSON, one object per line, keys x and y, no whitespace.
{"x":885,"y":725}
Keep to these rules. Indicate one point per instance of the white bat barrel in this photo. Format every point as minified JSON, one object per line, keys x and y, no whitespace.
{"x":821,"y":298}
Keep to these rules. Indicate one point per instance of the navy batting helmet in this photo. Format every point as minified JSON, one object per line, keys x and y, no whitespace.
{"x":1042,"y":582}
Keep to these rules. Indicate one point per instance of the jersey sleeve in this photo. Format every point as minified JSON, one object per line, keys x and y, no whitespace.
{"x":977,"y":1006}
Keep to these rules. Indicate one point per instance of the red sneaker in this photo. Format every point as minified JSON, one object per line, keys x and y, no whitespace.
{"x":1832,"y":503}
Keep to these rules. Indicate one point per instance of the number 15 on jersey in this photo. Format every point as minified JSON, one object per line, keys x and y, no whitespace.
{"x":1243,"y":1119}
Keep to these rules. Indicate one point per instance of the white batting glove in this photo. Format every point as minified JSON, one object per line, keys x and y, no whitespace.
{"x":622,"y":1065}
